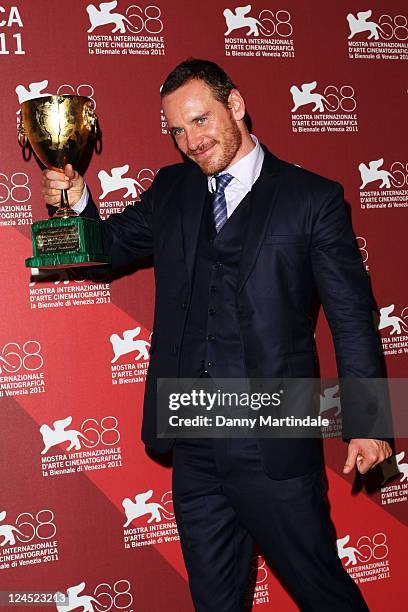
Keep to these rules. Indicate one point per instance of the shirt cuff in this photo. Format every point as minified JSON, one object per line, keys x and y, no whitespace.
{"x":80,"y":206}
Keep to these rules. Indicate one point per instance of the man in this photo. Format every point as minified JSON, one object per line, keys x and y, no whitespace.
{"x":243,"y":243}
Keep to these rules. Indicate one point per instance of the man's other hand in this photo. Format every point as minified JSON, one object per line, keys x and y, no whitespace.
{"x":52,"y":182}
{"x":366,"y":454}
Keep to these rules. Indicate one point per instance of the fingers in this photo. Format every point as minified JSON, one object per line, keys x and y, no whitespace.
{"x":384,"y":452}
{"x":70,"y":173}
{"x":366,"y":454}
{"x":352,"y":455}
{"x":365,"y":463}
{"x":53,"y":200}
{"x":52,"y":182}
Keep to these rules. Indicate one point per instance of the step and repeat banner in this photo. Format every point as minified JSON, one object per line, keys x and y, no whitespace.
{"x":83,"y":509}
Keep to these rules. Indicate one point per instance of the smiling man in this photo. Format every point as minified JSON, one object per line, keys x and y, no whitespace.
{"x":207,"y":126}
{"x":244,"y":244}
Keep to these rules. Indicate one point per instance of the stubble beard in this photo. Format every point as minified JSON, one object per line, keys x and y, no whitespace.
{"x":229,"y":144}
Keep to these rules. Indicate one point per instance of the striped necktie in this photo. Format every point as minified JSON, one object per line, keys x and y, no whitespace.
{"x":219,"y":202}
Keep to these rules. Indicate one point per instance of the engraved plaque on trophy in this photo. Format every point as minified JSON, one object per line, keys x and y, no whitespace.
{"x":59,"y":129}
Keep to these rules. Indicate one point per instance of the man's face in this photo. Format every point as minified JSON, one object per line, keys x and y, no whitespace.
{"x":203,"y":128}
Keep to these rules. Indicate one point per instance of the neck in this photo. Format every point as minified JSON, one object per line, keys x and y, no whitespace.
{"x":246,"y":147}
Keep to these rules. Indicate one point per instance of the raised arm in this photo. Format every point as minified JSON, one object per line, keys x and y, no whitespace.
{"x":126,"y":236}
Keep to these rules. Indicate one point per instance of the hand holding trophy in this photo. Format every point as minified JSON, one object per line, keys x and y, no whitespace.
{"x":59,"y":128}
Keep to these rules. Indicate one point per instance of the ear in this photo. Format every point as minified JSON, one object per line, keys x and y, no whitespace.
{"x":236,"y":105}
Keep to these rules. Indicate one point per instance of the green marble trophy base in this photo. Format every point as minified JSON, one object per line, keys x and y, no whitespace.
{"x":65,"y":243}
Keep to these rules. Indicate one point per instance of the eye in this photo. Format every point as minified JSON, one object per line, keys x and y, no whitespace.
{"x":201,"y":120}
{"x":176,"y":132}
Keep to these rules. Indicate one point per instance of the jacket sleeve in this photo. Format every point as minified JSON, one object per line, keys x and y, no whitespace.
{"x":348,"y":304}
{"x":127,"y":235}
{"x":344,"y":289}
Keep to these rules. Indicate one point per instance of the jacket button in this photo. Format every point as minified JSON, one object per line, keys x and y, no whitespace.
{"x":210,"y":364}
{"x":184,"y":305}
{"x":213,"y":288}
{"x":211,"y":311}
{"x":217,"y":265}
{"x":210,"y":338}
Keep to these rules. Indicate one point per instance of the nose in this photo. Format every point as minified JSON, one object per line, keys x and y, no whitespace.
{"x":193,"y":140}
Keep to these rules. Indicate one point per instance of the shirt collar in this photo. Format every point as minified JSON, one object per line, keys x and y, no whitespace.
{"x":246,"y":170}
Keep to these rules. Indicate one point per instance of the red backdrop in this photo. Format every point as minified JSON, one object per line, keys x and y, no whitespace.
{"x":326,"y":88}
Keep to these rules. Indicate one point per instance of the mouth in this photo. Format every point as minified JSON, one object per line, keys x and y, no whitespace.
{"x":201,"y":154}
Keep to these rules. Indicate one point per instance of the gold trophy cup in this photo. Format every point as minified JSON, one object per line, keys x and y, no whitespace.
{"x":59,"y":129}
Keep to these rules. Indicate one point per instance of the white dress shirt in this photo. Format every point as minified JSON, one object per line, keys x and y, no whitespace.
{"x":245,"y":173}
{"x":82,"y":202}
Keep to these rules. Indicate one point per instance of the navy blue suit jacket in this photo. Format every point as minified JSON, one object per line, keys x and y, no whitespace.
{"x":299,"y":248}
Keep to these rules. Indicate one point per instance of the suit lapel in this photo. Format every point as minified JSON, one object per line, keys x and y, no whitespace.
{"x":263,"y":199}
{"x":192,"y":199}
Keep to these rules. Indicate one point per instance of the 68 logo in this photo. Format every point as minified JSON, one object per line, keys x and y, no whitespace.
{"x":267,"y":23}
{"x":386,"y":28}
{"x":28,"y":527}
{"x":367,"y":548}
{"x":135,"y":19}
{"x":399,"y":173}
{"x":14,"y":187}
{"x":396,"y":175}
{"x":393,"y":26}
{"x":103,"y":432}
{"x":106,"y":596}
{"x":16,"y":357}
{"x":334,"y":98}
{"x":93,"y":432}
{"x":14,"y":193}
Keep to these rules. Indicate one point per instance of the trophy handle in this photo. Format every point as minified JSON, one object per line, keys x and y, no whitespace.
{"x":21,"y":135}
